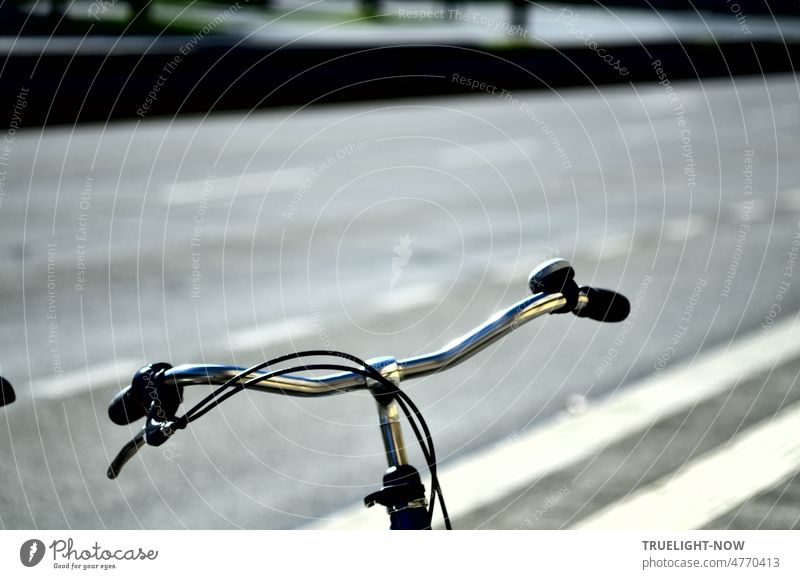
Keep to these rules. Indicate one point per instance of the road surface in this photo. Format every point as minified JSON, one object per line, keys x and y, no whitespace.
{"x":384,"y":228}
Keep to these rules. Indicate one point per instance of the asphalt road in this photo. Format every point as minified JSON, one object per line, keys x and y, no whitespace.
{"x":380,"y":228}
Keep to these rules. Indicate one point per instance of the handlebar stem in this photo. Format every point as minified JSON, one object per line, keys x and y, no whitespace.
{"x":389,"y":412}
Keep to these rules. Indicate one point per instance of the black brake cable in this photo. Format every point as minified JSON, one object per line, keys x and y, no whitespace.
{"x":306,"y":353}
{"x":370,"y":372}
{"x":432,"y":462}
{"x":237,"y":378}
{"x":236,"y":384}
{"x":196,"y":413}
{"x":404,"y":401}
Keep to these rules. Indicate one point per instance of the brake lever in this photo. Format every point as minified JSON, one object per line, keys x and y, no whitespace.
{"x":153,"y":434}
{"x":125,"y":454}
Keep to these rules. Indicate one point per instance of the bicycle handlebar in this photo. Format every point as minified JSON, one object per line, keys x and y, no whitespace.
{"x":453,"y":353}
{"x":591,"y":302}
{"x":554,"y":292}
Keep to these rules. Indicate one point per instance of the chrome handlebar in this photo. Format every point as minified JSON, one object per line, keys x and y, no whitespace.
{"x":554,"y":291}
{"x":457,"y":351}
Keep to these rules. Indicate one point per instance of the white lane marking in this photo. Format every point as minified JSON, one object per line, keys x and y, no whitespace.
{"x":641,"y":132}
{"x":495,"y":152}
{"x":251,"y":184}
{"x":119,"y":372}
{"x":513,"y":269}
{"x":284,"y":331}
{"x":771,"y":117}
{"x":98,"y":376}
{"x":790,"y":199}
{"x":676,"y":230}
{"x":510,"y":270}
{"x":710,"y":486}
{"x":401,"y":298}
{"x":679,"y":229}
{"x":275,"y":332}
{"x":280,"y":332}
{"x":486,"y":476}
{"x":611,"y":246}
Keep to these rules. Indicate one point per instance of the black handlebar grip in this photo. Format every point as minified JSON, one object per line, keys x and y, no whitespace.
{"x":604,"y":305}
{"x":125,"y":408}
{"x":146,"y":390}
{"x":7,"y":395}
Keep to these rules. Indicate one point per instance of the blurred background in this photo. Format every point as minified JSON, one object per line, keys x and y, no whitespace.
{"x":224,"y":182}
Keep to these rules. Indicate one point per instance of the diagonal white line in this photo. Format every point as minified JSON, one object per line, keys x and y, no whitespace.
{"x":487,"y":476}
{"x":250,"y":184}
{"x":757,"y":459}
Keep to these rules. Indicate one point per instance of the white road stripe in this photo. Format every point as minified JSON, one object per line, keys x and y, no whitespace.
{"x":487,"y":476}
{"x":251,"y":184}
{"x":284,"y":331}
{"x":99,"y":376}
{"x":494,"y":151}
{"x":510,"y":270}
{"x":771,"y":117}
{"x":611,"y":246}
{"x":641,"y":132}
{"x":518,"y":269}
{"x":680,"y":229}
{"x":676,"y":230}
{"x":401,"y":299}
{"x":789,"y":199}
{"x":710,"y":486}
{"x":276,"y":332}
{"x":119,"y":372}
